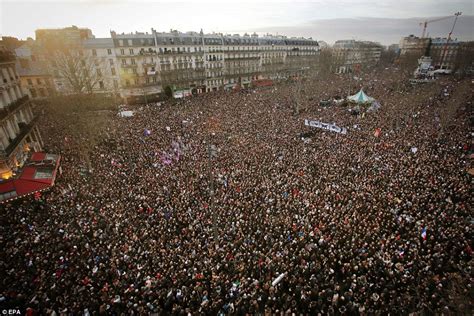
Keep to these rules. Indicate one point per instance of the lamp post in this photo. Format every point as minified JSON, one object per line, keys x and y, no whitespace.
{"x":144,"y":93}
{"x":212,"y":153}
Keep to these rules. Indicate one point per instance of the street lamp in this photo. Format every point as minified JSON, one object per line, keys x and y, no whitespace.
{"x":212,"y":153}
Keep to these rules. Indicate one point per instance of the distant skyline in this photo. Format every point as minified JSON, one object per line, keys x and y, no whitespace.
{"x":385,"y":21}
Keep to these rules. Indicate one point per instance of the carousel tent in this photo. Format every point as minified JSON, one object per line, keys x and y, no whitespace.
{"x":360,"y":97}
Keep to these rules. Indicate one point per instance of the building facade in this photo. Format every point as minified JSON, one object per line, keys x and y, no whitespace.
{"x":54,"y":46}
{"x":33,"y":73}
{"x":18,"y":131}
{"x":196,"y":62}
{"x":413,"y":45}
{"x":145,"y":65}
{"x":101,"y":52}
{"x":351,"y":55}
{"x":444,"y":53}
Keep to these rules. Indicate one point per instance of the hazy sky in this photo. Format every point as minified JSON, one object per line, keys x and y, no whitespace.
{"x":21,"y":18}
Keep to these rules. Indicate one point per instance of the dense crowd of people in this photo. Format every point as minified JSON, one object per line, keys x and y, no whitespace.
{"x":218,"y":205}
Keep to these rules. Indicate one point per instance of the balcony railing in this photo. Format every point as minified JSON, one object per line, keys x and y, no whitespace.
{"x":242,"y":58}
{"x":25,"y":130}
{"x":181,"y":53}
{"x":174,"y":70}
{"x":12,"y":107}
{"x":129,"y":65}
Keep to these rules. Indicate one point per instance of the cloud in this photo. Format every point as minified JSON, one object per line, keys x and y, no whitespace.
{"x":384,"y":30}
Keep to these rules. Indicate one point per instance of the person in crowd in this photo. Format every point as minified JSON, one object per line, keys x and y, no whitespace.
{"x":216,"y":206}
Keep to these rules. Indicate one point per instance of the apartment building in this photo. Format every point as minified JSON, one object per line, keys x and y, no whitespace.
{"x":413,"y":45}
{"x":198,"y":62}
{"x":33,"y":72}
{"x":444,"y":53}
{"x":106,"y":72}
{"x":18,"y":131}
{"x":350,"y":55}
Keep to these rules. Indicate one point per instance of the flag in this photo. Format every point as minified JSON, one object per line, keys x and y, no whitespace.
{"x":37,"y":196}
{"x":147,"y":132}
{"x":377,"y":132}
{"x":423,"y":233}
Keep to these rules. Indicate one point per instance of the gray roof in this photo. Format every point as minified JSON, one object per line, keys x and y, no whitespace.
{"x":98,"y":43}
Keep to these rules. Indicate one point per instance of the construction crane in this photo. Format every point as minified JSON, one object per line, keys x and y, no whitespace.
{"x":425,"y":24}
{"x":457,"y":14}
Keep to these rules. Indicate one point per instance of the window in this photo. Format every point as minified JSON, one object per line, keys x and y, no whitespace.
{"x":111,"y":61}
{"x":99,"y":73}
{"x":133,"y":61}
{"x":94,"y":52}
{"x":42,"y":92}
{"x":120,"y":42}
{"x":122,"y":51}
{"x":124,"y":61}
{"x":109,"y":51}
{"x":30,"y":82}
{"x":134,"y":70}
{"x":113,"y":71}
{"x":101,"y":84}
{"x":136,"y":81}
{"x":33,"y":93}
{"x":38,"y":80}
{"x":127,"y":82}
{"x":131,"y":51}
{"x":130,"y":42}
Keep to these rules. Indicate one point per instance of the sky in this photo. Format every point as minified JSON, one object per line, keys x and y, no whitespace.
{"x":380,"y":20}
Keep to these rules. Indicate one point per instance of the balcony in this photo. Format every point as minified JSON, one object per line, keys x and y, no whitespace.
{"x":181,"y":53}
{"x":167,"y":71}
{"x":147,"y":52}
{"x":12,"y":107}
{"x":242,"y":74}
{"x":24,"y":130}
{"x":128,"y":65}
{"x":149,"y":64}
{"x":242,"y":58}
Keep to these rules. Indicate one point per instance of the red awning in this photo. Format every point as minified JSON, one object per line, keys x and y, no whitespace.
{"x":38,"y":174}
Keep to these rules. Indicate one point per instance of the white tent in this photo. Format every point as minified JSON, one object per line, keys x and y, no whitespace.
{"x":360,"y":97}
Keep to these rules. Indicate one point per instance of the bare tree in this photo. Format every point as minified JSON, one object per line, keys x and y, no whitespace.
{"x":408,"y":62}
{"x":326,"y":62}
{"x":407,"y":65}
{"x":79,"y":71}
{"x":387,"y":57}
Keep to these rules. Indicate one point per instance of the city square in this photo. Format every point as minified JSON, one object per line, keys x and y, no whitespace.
{"x":193,"y":173}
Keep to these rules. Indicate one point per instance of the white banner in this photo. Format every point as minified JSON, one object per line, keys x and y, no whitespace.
{"x":326,"y":126}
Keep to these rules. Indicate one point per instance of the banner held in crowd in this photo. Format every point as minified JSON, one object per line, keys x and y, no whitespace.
{"x":326,"y":126}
